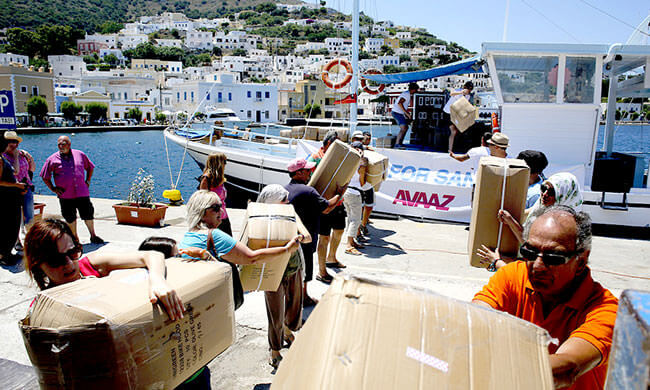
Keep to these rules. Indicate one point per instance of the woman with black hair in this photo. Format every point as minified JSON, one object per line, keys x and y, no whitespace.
{"x":11,"y":200}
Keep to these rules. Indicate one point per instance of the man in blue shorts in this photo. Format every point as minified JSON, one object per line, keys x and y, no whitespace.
{"x":401,"y":113}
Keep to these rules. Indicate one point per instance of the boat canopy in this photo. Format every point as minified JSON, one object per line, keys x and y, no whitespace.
{"x":470,"y":65}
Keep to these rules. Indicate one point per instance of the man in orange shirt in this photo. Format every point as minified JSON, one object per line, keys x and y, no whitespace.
{"x":553,"y":288}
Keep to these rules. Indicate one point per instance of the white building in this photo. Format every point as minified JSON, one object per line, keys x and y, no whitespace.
{"x":110,"y":40}
{"x":379,"y":29}
{"x":130,"y":41}
{"x":373,"y":45}
{"x":286,"y":62}
{"x":116,"y":52}
{"x":9,"y":58}
{"x":403,"y":35}
{"x":338,"y":46}
{"x":160,"y":42}
{"x":67,"y":66}
{"x":256,"y":102}
{"x":203,"y":40}
{"x":308,"y":46}
{"x":343,"y":26}
{"x":403,"y":51}
{"x":436,"y":50}
{"x":388,"y":60}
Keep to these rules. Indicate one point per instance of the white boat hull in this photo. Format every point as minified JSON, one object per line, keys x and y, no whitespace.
{"x":421,"y":185}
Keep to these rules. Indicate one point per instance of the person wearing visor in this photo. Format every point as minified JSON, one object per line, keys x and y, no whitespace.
{"x":552,"y":287}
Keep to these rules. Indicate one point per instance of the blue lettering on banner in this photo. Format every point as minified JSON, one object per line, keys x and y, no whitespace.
{"x":408,"y":173}
{"x":441,"y":177}
{"x":7,"y":111}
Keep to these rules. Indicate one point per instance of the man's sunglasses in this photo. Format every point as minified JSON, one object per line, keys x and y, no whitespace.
{"x":529,"y":253}
{"x":61,"y":259}
{"x":547,"y":188}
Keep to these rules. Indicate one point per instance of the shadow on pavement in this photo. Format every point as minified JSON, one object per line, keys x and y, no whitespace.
{"x":377,"y":246}
{"x":262,"y":386}
{"x":14,"y":268}
{"x":90,"y":247}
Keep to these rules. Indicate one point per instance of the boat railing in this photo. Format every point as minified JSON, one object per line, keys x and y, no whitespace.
{"x":255,"y":141}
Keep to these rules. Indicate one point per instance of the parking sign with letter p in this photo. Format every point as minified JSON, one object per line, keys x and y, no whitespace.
{"x":7,"y":111}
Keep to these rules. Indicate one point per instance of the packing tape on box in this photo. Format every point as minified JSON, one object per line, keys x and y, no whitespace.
{"x":268,"y":238}
{"x":337,"y":170}
{"x":503,"y":198}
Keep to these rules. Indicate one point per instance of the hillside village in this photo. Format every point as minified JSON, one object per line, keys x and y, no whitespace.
{"x":264,"y":63}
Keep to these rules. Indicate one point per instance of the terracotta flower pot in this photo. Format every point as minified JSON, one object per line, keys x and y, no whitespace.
{"x":131,"y":214}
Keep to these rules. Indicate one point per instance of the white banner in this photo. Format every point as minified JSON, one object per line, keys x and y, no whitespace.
{"x":426,"y":184}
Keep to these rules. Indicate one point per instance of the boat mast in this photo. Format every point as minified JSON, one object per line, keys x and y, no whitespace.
{"x":504,"y":38}
{"x":355,"y":64}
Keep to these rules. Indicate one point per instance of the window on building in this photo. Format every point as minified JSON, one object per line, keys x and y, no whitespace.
{"x":248,"y":93}
{"x":185,"y":95}
{"x":192,"y":95}
{"x":312,"y":87}
{"x":71,"y":67}
{"x":126,"y":96}
{"x":267,"y":94}
{"x":248,"y":114}
{"x":208,"y":96}
{"x":258,"y":94}
{"x":23,"y":89}
{"x":219,"y":97}
{"x":229,"y":96}
{"x":178,"y":97}
{"x":266,"y":115}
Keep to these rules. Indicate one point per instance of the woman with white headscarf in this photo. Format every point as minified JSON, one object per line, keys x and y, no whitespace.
{"x":559,"y":189}
{"x":284,"y":306}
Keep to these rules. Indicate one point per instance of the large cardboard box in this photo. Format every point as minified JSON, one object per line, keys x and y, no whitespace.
{"x":105,"y":334}
{"x":386,"y":142}
{"x":343,"y":134}
{"x":335,"y":169}
{"x":629,"y":359}
{"x":377,"y":169}
{"x":368,"y":335}
{"x":463,"y":114}
{"x":484,"y":225}
{"x":267,"y":226}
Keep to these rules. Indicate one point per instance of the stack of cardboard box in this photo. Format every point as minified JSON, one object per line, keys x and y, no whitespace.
{"x":103,"y":333}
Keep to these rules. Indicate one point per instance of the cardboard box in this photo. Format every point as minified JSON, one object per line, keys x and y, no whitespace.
{"x":267,"y":226}
{"x":368,"y":335}
{"x":343,"y":134}
{"x":103,"y":333}
{"x":484,"y":225}
{"x":463,"y":114}
{"x":285,"y":133}
{"x":385,"y":142}
{"x":335,"y":169}
{"x":377,"y":169}
{"x":297,"y":131}
{"x":629,"y":358}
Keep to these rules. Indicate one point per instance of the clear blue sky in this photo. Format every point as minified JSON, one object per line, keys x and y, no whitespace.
{"x":471,"y":22}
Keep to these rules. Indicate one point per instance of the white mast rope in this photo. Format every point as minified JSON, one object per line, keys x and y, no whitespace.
{"x":187,"y":141}
{"x":503,"y":197}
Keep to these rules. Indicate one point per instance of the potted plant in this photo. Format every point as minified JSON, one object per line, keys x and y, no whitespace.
{"x":140,"y":208}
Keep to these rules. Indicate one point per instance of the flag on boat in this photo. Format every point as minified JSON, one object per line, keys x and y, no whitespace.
{"x":347,"y":100}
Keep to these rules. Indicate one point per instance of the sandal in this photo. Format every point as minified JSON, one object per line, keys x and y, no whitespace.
{"x":289,"y":340}
{"x":327,"y":279}
{"x":275,"y":361}
{"x":353,"y":251}
{"x":335,"y":265}
{"x":357,"y":245}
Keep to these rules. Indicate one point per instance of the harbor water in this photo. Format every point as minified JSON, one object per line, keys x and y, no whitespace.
{"x":118,"y":155}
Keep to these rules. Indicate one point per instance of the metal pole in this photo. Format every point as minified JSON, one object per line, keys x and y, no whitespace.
{"x":505,"y":22}
{"x":355,"y":64}
{"x":611,"y":111}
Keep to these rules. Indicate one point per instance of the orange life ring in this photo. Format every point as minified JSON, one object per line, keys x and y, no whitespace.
{"x":369,"y":90}
{"x":495,"y":123}
{"x":325,"y":76}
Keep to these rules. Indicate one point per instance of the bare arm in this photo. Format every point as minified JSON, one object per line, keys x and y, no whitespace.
{"x":241,"y":254}
{"x":362,"y":175}
{"x":6,"y":184}
{"x":514,"y":226}
{"x":482,"y":303}
{"x":204,"y":183}
{"x":459,"y":157}
{"x":159,"y":290}
{"x":401,"y":104}
{"x":574,"y":357}
{"x":303,"y":230}
{"x":52,"y":187}
{"x":89,"y":175}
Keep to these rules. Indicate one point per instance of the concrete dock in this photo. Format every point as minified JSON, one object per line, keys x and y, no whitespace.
{"x":429,"y":255}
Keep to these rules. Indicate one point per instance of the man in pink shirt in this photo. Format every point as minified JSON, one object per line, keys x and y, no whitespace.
{"x":72,"y":171}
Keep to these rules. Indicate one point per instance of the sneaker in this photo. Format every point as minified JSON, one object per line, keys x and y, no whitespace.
{"x":96,"y":240}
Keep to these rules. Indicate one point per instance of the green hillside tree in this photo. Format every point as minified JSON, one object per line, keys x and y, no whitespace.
{"x":70,"y":110}
{"x":96,"y":111}
{"x":37,"y":107}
